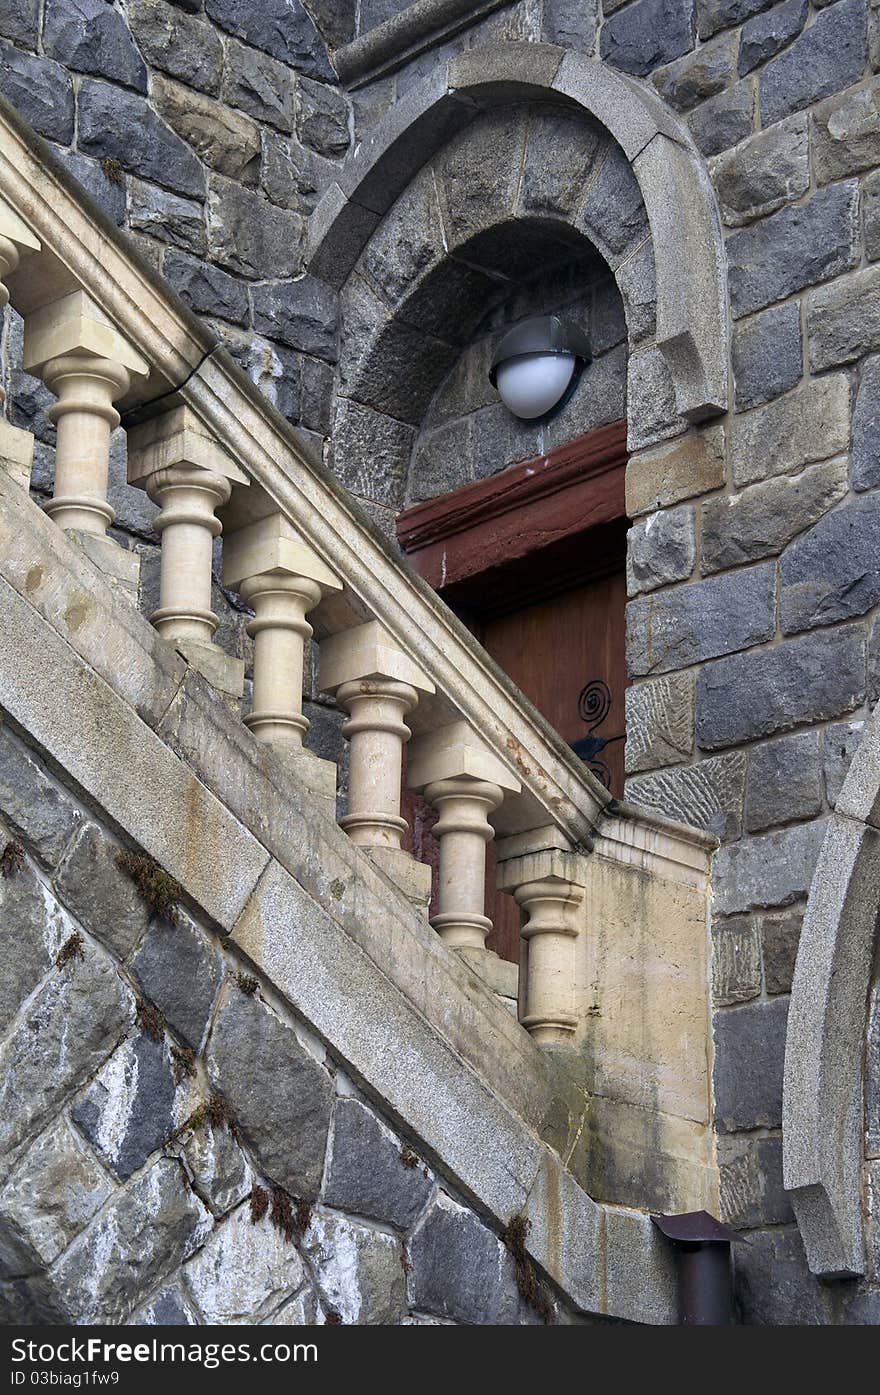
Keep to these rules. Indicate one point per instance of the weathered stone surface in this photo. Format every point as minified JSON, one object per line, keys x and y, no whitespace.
{"x":177,"y":44}
{"x":806,"y":425}
{"x":478,"y":174}
{"x":784,"y":781}
{"x":780,"y":935}
{"x":762,"y":520}
{"x":636,"y":284}
{"x":713,"y":15}
{"x":460,"y":1270}
{"x":812,"y":678}
{"x":648,"y":34}
{"x":303,"y":314}
{"x":359,"y":1271}
{"x":33,"y":928}
{"x":218,"y":1167}
{"x":167,"y":216}
{"x":243,"y":1271}
{"x":278,"y":27}
{"x":702,"y":74}
{"x":843,"y":319}
{"x":659,"y":722}
{"x":871,"y":216}
{"x":846,"y":133}
{"x":179,"y":972}
{"x":708,"y":794}
{"x":363,"y":439}
{"x":206,"y":289}
{"x":19,"y":21}
{"x":128,"y":1110}
{"x":724,"y":120}
{"x":872,"y":1078}
{"x":750,"y":1175}
{"x":562,"y":150}
{"x":250,"y":236}
{"x":108,"y":195}
{"x":32,"y":804}
{"x":767,"y":355}
{"x":53,"y":1193}
{"x":764,"y":172}
{"x":91,"y":36}
{"x":660,"y":549}
{"x":736,"y":961}
{"x":833,"y":571}
{"x":764,"y":35}
{"x":828,"y":57}
{"x":301,"y":1311}
{"x":278,"y":1094}
{"x":225,"y":140}
{"x":291,"y":176}
{"x":323,"y":119}
{"x":773,"y":1285}
{"x":59,"y":1041}
{"x":570,"y":23}
{"x":694,"y":464}
{"x":167,"y":1309}
{"x":773,"y":869}
{"x":651,"y":410}
{"x":119,"y":125}
{"x":368,"y":1175}
{"x":600,"y":398}
{"x":40,"y":90}
{"x":863,"y":1310}
{"x":793,"y":248}
{"x":691,"y":623}
{"x":100,"y":894}
{"x":839,"y":745}
{"x":261,"y":87}
{"x":149,"y":1228}
{"x":749,"y":1053}
{"x":614,"y":215}
{"x":316,"y":407}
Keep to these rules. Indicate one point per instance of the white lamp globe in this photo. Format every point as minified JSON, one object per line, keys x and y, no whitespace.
{"x":531,"y":385}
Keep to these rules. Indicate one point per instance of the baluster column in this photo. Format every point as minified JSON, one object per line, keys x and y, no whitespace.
{"x":16,"y":241}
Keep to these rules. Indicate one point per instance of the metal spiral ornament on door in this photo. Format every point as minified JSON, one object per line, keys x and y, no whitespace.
{"x":594,"y":704}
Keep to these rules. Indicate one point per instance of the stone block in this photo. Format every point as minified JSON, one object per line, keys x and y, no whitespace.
{"x":764,"y":172}
{"x":872,"y":1079}
{"x":31,"y":803}
{"x":810,"y":679}
{"x":206,"y":289}
{"x":442,"y":459}
{"x":323,"y":119}
{"x":660,"y":549}
{"x":371,"y":453}
{"x":772,"y":869}
{"x":843,"y":319}
{"x":749,"y":1056}
{"x":217,"y":1166}
{"x":91,"y":36}
{"x":302,"y":1311}
{"x":226,"y":141}
{"x":108,"y":195}
{"x":370,"y":1174}
{"x":750,"y":1179}
{"x":51,"y":1196}
{"x":651,"y":410}
{"x":784,"y":781}
{"x":764,"y":35}
{"x":636,"y":284}
{"x":291,"y":176}
{"x":725,"y":120}
{"x":118,"y":125}
{"x":167,"y":216}
{"x":794,"y":248}
{"x":659,"y":722}
{"x":708,"y":795}
{"x":641,"y":1279}
{"x":60,"y":1040}
{"x":713,"y":15}
{"x":562,"y":152}
{"x":846,"y":133}
{"x":461,"y":1271}
{"x":810,"y":423}
{"x":243,"y":1271}
{"x":277,"y":27}
{"x":359,"y":1272}
{"x":691,"y":623}
{"x":33,"y":928}
{"x":259,"y":86}
{"x":871,"y":216}
{"x":40,"y":90}
{"x":20,"y":21}
{"x":833,"y":571}
{"x":302,"y":314}
{"x":764,"y":518}
{"x":827,"y":57}
{"x":780,"y":936}
{"x":700,"y":75}
{"x":767,"y":355}
{"x":648,"y":34}
{"x":839,"y":744}
{"x":248,"y":235}
{"x":127,"y":1112}
{"x":691,"y":465}
{"x":570,"y":23}
{"x":613,"y":215}
{"x":102,"y":896}
{"x":773,"y":1284}
{"x":177,"y":43}
{"x":150,"y":1228}
{"x":180,"y":973}
{"x":478,"y":174}
{"x":279,"y":1095}
{"x":168,"y":1308}
{"x":316,"y":406}
{"x":736,"y":961}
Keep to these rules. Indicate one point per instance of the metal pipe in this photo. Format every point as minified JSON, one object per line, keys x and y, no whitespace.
{"x":705,"y":1278}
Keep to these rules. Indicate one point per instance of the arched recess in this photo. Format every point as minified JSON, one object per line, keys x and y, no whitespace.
{"x":824,"y":1138}
{"x":692,"y":313}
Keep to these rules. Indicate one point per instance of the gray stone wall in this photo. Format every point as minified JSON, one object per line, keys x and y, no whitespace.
{"x":178,"y":1149}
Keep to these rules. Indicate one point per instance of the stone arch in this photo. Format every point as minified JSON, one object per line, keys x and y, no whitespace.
{"x":825,"y":1061}
{"x":692,"y":314}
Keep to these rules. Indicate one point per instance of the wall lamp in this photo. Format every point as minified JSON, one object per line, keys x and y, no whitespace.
{"x":538,"y":365}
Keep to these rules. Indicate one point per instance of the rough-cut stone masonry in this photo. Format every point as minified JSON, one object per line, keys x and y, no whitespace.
{"x":176,"y":1149}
